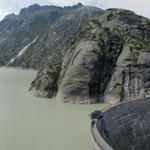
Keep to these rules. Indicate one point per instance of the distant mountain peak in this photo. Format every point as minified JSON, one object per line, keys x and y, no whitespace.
{"x":79,"y":4}
{"x":30,"y":9}
{"x":36,"y":7}
{"x":10,"y":16}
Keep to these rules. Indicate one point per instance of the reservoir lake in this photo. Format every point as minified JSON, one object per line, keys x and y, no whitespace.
{"x":31,"y":123}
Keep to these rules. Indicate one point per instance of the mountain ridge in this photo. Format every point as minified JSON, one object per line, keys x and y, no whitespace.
{"x":37,"y":21}
{"x":83,"y":54}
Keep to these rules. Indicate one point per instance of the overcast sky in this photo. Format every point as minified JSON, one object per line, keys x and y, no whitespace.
{"x":141,"y":7}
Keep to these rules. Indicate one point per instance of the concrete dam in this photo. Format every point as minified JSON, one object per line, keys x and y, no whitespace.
{"x":125,"y":126}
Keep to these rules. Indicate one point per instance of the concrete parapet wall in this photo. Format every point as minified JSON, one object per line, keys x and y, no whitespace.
{"x":129,"y":126}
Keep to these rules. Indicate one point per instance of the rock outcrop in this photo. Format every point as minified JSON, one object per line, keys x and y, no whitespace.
{"x":107,"y":60}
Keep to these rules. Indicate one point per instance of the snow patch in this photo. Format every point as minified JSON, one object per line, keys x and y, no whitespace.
{"x":21,"y":52}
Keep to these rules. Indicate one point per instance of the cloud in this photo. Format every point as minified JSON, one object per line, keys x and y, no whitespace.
{"x":139,"y":6}
{"x":72,"y":2}
{"x":3,"y":13}
{"x":14,"y":6}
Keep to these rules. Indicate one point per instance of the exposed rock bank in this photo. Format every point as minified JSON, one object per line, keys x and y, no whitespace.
{"x":107,"y":60}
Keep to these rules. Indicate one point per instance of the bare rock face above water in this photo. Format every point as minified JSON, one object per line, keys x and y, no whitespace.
{"x":107,"y":60}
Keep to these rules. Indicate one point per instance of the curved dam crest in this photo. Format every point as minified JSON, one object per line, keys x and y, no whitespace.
{"x":128,"y":124}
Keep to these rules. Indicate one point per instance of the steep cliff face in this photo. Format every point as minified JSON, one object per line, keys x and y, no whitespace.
{"x":130,"y":78}
{"x":107,"y":60}
{"x":51,"y":26}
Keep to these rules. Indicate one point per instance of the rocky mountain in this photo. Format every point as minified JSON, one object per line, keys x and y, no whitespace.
{"x":28,"y":40}
{"x":106,"y":60}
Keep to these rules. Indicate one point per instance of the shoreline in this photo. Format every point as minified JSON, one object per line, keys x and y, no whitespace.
{"x":20,"y":68}
{"x":40,"y":94}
